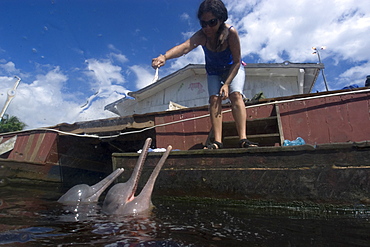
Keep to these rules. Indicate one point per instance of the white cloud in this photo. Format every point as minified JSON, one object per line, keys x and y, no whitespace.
{"x":42,"y":102}
{"x":240,"y":7}
{"x":119,"y":57}
{"x":144,"y":77}
{"x":103,"y":72}
{"x":106,"y":83}
{"x":116,"y":54}
{"x":196,"y":56}
{"x":9,"y":67}
{"x":106,"y":78}
{"x":271,"y":28}
{"x":113,"y":48}
{"x":185,"y":16}
{"x":354,"y":75}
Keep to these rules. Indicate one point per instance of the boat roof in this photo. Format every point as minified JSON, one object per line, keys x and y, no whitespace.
{"x":278,"y":69}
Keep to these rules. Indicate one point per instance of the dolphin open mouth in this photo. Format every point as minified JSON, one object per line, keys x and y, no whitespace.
{"x":136,"y":183}
{"x":139,"y":166}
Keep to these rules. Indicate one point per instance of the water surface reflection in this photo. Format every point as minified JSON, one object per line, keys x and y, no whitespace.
{"x":32,"y":217}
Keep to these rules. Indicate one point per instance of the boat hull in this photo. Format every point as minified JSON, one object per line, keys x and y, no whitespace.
{"x":332,"y":173}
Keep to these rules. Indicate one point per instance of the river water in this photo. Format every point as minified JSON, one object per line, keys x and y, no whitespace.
{"x":30,"y":216}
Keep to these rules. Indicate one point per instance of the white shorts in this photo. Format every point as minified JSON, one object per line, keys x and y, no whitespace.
{"x":215,"y":83}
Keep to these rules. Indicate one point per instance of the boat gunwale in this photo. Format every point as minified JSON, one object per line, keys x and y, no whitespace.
{"x":306,"y":147}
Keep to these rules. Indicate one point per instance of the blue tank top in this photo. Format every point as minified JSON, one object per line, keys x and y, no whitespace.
{"x":218,"y":63}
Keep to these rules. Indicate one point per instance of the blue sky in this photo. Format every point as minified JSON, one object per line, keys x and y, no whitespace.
{"x":76,"y":56}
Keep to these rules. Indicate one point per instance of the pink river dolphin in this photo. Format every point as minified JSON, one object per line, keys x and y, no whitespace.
{"x":121,"y":198}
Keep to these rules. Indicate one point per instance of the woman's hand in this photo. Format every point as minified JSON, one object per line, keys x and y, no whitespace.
{"x":224,"y":91}
{"x":159,"y":61}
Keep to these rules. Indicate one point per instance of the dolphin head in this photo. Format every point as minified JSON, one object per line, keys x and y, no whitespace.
{"x":85,"y":193}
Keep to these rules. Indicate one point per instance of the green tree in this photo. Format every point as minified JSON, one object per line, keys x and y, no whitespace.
{"x":9,"y":124}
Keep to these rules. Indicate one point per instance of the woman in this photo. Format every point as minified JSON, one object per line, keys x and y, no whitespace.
{"x":225,"y":74}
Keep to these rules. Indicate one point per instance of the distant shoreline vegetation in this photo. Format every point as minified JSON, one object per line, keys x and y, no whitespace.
{"x":10,"y":124}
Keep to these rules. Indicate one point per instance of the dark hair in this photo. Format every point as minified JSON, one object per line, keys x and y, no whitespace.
{"x":216,"y":7}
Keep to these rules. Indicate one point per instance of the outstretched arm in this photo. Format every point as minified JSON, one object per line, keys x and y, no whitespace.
{"x":179,"y":50}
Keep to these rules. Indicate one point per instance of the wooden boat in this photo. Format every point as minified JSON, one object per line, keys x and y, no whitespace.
{"x":334,"y":165}
{"x":48,"y":156}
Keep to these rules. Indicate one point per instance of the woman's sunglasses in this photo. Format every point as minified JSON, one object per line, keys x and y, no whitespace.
{"x":210,"y":23}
